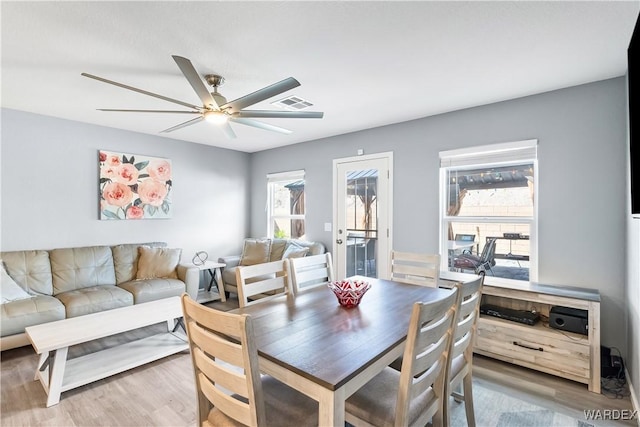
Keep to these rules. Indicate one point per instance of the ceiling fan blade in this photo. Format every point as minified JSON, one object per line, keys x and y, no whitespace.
{"x":260,"y":125}
{"x":193,"y":77}
{"x":144,"y":92}
{"x":228,"y":131}
{"x":280,"y":114}
{"x":185,"y":124}
{"x":150,"y":111}
{"x":262,"y":94}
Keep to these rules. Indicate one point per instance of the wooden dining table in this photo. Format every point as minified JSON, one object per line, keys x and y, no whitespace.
{"x":326,"y":351}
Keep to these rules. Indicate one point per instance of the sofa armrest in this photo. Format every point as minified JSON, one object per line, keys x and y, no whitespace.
{"x":230,"y":260}
{"x":190,"y":275}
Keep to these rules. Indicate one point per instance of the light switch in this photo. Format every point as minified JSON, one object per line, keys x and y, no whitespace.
{"x":327,"y":226}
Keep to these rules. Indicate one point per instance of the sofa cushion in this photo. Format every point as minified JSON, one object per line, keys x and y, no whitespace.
{"x":295,"y":251}
{"x":153,"y":289}
{"x":315,"y":248}
{"x":255,"y":251}
{"x":125,"y":259}
{"x":31,"y":270}
{"x":158,"y":263}
{"x":78,"y":268}
{"x":9,"y":289}
{"x":17,"y":315}
{"x":96,"y":298}
{"x":229,"y":277}
{"x":278,"y":246}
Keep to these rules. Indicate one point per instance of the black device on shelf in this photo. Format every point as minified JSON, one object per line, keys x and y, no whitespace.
{"x":520,"y":316}
{"x":569,"y":319}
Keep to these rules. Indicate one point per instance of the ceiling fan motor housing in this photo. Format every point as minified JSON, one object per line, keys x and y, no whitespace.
{"x":216,"y":80}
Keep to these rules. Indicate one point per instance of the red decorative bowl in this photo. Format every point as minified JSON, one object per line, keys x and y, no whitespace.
{"x":349,"y":292}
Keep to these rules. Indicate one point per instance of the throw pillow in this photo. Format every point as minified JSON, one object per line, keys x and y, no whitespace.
{"x":255,"y":251}
{"x":295,"y":251}
{"x":9,"y":289}
{"x":157,"y":263}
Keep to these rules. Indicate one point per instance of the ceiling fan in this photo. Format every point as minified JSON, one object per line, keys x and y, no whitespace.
{"x":215,"y":107}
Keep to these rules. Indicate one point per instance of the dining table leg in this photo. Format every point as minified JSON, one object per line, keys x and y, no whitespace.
{"x":331,"y":408}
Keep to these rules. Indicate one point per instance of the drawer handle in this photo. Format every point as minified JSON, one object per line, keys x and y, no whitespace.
{"x":528,"y":346}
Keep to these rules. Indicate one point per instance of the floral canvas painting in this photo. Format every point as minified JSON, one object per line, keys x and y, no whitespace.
{"x":134,"y":186}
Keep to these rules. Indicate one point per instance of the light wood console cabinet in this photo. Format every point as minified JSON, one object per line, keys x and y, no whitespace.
{"x":540,"y":347}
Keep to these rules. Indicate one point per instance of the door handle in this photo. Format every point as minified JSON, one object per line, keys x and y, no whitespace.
{"x":339,"y":241}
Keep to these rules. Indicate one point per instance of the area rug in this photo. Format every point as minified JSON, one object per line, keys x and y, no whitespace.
{"x":496,"y":409}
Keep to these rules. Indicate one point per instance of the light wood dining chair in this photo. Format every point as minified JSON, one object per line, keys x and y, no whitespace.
{"x":230,"y":390}
{"x":262,"y":282}
{"x":311,"y":271}
{"x":460,"y":364}
{"x":414,"y":395}
{"x":415,"y":269}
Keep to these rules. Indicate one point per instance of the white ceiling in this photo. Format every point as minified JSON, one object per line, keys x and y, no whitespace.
{"x":365,"y":64}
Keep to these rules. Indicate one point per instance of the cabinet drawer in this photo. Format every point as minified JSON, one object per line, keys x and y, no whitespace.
{"x":538,"y":347}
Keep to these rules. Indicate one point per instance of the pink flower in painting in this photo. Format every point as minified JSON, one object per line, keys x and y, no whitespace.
{"x":152,"y":192}
{"x":160,"y":170}
{"x":110,"y":172}
{"x":127,"y":174}
{"x":117,"y":194}
{"x":103,"y":156}
{"x":114,"y":160}
{"x":135,"y":212}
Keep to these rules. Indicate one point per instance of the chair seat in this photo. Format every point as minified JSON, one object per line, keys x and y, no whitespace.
{"x":284,"y":407}
{"x":375,"y":402}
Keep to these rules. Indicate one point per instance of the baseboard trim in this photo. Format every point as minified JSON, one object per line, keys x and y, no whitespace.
{"x":634,"y":396}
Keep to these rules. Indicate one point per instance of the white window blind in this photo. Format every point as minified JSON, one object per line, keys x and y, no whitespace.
{"x":285,"y":176}
{"x":508,"y":152}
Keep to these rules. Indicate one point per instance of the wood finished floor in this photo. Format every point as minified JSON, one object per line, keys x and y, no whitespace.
{"x":162,"y":393}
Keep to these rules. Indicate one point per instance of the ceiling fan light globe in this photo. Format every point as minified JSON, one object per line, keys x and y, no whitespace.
{"x":216,"y":117}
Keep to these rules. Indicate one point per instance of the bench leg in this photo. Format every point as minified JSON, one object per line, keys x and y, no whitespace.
{"x":43,"y":364}
{"x":56,"y":374}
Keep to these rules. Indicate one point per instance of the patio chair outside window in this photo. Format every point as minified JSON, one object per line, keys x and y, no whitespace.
{"x":478,"y":264}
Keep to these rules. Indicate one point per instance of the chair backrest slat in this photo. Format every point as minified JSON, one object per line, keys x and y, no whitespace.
{"x":415,"y":269}
{"x":260,"y":282}
{"x":311,"y":271}
{"x":218,"y":373}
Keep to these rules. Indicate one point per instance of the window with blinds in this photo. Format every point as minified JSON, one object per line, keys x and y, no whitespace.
{"x":286,"y":205}
{"x":489,"y":193}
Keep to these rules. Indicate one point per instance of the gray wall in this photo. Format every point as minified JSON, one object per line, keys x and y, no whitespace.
{"x":581,"y":132}
{"x":49,"y":194}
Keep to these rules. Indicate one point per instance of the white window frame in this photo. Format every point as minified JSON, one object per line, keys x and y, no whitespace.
{"x":501,"y":154}
{"x":276,"y":178}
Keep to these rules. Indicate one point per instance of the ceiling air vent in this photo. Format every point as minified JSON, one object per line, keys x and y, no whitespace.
{"x":292,"y":103}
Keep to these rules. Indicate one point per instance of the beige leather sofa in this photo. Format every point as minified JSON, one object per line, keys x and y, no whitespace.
{"x":72,"y":282}
{"x":256,"y":251}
